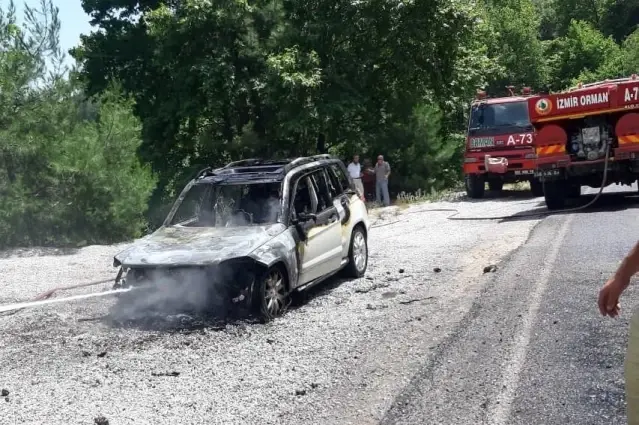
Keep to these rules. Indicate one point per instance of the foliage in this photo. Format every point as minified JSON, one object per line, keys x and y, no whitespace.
{"x":165,"y":87}
{"x":68,"y":166}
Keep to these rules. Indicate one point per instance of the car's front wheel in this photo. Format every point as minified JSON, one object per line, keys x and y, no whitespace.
{"x":357,"y":254}
{"x":270,"y":294}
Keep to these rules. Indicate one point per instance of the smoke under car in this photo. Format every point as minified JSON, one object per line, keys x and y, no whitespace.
{"x":244,"y":236}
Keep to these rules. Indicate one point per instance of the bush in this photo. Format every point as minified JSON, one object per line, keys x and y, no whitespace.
{"x":68,"y":178}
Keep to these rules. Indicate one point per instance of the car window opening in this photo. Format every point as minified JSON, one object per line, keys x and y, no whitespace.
{"x":302,"y":203}
{"x":229,"y":205}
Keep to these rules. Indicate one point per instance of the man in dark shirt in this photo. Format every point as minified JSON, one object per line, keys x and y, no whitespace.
{"x":382,"y":171}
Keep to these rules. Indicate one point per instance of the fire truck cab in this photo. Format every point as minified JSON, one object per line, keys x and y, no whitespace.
{"x":499,"y":144}
{"x":576,"y":130}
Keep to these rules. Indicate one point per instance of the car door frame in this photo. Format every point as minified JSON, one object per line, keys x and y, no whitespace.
{"x":317,"y":261}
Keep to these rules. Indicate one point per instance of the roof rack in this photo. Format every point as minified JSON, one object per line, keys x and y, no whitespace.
{"x":303,"y":160}
{"x":598,"y":83}
{"x":266,"y":166}
{"x":203,"y":172}
{"x":244,"y":163}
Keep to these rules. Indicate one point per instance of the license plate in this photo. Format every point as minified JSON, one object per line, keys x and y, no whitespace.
{"x":546,"y":173}
{"x":482,"y":142}
{"x":523,"y":172}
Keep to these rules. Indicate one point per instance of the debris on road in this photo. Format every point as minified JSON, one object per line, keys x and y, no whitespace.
{"x":165,"y":373}
{"x":4,"y":392}
{"x":101,"y":420}
{"x":371,"y":288}
{"x":300,"y":392}
{"x":415,"y":300}
{"x":437,"y":270}
{"x":490,"y":269}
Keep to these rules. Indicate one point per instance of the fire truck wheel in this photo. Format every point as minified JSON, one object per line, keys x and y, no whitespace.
{"x":536,"y":187}
{"x":574,"y":191}
{"x":475,"y":186}
{"x":555,"y":194}
{"x":495,"y":185}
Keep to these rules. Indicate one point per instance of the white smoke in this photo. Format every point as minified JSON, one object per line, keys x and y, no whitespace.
{"x":214,"y":294}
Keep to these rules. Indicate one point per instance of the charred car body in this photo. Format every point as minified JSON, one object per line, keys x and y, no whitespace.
{"x":499,"y":144}
{"x":255,"y":232}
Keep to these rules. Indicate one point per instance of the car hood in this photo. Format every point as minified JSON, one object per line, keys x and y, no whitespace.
{"x":175,"y":245}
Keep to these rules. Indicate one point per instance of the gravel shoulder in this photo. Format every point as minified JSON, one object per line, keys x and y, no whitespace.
{"x":340,"y":358}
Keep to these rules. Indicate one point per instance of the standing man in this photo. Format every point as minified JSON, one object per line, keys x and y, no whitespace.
{"x":609,"y":306}
{"x":355,"y":171}
{"x":382,"y":171}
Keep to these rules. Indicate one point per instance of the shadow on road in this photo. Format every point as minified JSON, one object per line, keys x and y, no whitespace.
{"x":506,"y":195}
{"x":608,"y":202}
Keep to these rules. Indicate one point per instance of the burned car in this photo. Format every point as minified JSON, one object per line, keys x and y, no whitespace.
{"x":255,"y":232}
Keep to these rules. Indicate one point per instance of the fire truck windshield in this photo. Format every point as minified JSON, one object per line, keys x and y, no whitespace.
{"x":498,"y":118}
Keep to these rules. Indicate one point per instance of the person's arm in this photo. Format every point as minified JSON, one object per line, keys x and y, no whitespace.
{"x":628,"y":267}
{"x":609,"y":295}
{"x":388,"y":170}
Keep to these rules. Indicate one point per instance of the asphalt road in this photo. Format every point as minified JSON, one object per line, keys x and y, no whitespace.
{"x":533,"y":348}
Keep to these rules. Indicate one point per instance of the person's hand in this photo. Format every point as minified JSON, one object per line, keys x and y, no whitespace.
{"x":609,"y":297}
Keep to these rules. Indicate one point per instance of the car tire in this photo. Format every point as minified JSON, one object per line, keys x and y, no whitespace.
{"x":270,"y":297}
{"x":357,"y":253}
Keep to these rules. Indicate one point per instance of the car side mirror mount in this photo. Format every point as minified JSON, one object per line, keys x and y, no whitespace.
{"x":303,"y":222}
{"x":306,"y":217}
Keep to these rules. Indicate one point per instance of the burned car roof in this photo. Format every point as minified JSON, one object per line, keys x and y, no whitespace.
{"x":266,"y":169}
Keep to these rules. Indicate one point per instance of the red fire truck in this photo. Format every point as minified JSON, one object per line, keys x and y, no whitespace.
{"x":583,"y":131}
{"x":499,"y":144}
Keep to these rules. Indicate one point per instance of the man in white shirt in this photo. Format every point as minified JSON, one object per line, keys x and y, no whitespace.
{"x":355,"y":171}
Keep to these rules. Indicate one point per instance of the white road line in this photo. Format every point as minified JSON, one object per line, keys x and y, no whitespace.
{"x":499,"y":411}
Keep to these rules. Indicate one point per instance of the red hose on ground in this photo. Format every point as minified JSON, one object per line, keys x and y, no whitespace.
{"x":50,"y":292}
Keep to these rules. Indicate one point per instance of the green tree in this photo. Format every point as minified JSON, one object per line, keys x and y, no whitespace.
{"x":516,"y":45}
{"x":583,"y":50}
{"x":68,"y":171}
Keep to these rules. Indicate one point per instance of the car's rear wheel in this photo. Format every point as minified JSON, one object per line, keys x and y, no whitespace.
{"x":357,"y":253}
{"x":270,"y":295}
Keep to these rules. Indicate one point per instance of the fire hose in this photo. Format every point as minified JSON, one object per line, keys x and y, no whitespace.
{"x":456,"y":212}
{"x":48,"y":294}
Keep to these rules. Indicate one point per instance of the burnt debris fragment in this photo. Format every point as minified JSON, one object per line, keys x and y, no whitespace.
{"x":490,"y":269}
{"x":101,"y":420}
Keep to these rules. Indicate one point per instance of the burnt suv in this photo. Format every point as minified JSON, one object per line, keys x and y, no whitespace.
{"x":254,"y":232}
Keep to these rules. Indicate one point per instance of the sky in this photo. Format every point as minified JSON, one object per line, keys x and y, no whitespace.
{"x":73,"y":20}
